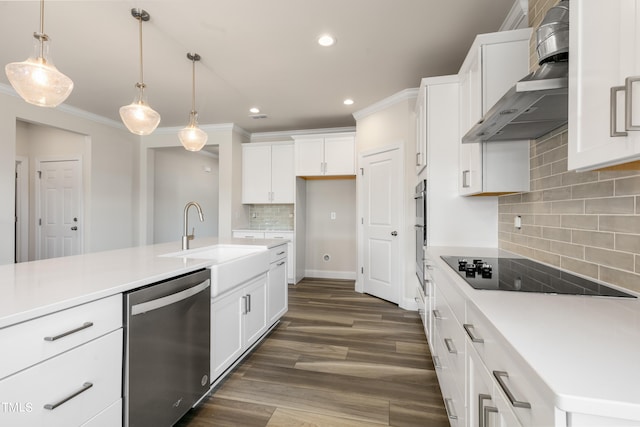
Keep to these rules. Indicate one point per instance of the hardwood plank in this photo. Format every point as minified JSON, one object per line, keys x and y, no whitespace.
{"x":221,"y":412}
{"x":292,"y":418}
{"x":411,"y":414}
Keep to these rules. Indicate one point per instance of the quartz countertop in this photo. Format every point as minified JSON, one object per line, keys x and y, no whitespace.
{"x":33,"y":289}
{"x":585,"y":349}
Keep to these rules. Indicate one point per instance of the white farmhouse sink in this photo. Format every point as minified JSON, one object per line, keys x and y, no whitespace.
{"x":231,"y":266}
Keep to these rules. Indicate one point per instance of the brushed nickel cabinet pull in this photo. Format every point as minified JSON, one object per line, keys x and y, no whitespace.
{"x":482,"y":415}
{"x":486,"y":414}
{"x":613,"y":112}
{"x":85,"y":325}
{"x":470,"y":331}
{"x":514,"y":402}
{"x":280,"y":253}
{"x":628,"y":113}
{"x":51,"y":406}
{"x":436,"y":362}
{"x":448,"y":405}
{"x":437,"y":315}
{"x":245,"y":309}
{"x":465,"y":178}
{"x":280,"y":263}
{"x":451,"y":348}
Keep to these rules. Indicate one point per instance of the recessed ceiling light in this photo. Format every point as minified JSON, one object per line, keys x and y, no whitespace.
{"x":254,"y":110}
{"x":326,"y":40}
{"x":348,"y":101}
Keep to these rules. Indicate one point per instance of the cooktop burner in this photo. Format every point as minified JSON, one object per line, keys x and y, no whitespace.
{"x":524,"y":275}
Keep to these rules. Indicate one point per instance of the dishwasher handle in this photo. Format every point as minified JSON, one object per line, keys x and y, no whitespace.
{"x":169,"y":299}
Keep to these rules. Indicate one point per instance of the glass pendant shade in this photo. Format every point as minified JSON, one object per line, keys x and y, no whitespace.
{"x":192,"y":137}
{"x":37,"y":80}
{"x":138,"y":117}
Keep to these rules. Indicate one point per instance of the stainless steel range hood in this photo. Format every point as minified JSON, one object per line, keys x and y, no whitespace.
{"x":538,"y":103}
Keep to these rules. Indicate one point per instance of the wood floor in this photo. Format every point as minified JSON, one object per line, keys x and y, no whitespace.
{"x":338,"y":358}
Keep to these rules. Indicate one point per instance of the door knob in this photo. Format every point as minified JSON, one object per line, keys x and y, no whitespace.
{"x":74,"y":228}
{"x":394,"y":233}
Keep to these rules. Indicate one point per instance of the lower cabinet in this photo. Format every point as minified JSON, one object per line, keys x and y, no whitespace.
{"x":238,"y":319}
{"x":275,"y":235}
{"x":277,"y":287}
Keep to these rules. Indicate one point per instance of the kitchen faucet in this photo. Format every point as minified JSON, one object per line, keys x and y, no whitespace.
{"x":185,"y":235}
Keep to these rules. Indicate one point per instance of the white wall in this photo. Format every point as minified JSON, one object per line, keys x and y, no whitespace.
{"x":392,"y":125}
{"x":326,"y":236}
{"x":110,"y":160}
{"x":180,"y":177}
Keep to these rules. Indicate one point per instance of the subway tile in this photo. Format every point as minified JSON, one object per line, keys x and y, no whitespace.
{"x":534,"y":208}
{"x":559,"y":167}
{"x":548,"y":220}
{"x":568,"y":207}
{"x":567,"y":249}
{"x":560,"y":193}
{"x":536,"y":161}
{"x":627,"y":243}
{"x":547,"y":145}
{"x":531,"y":230}
{"x":520,"y":239}
{"x":621,"y":278}
{"x":585,"y":268}
{"x":584,"y":222}
{"x":533,"y":196}
{"x":540,"y":172}
{"x":621,"y":260}
{"x":627,"y":186}
{"x":555,"y":154}
{"x":610,"y":205}
{"x":562,"y":234}
{"x":573,"y":177}
{"x":549,"y":182}
{"x":504,"y":236}
{"x":637,"y":263}
{"x":593,"y":238}
{"x":509,"y":199}
{"x":620,"y":223}
{"x":547,"y":257}
{"x":592,"y":190}
{"x":614,"y":174}
{"x":537,"y":243}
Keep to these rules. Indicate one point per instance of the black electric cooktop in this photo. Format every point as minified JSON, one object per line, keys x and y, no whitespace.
{"x":524,"y":275}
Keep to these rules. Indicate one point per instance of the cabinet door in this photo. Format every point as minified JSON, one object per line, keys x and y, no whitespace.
{"x":309,"y":154}
{"x":256,"y":174}
{"x":421,"y":130}
{"x":255,"y":309}
{"x":339,"y":156}
{"x":283,"y":178}
{"x":226,"y":332}
{"x":600,"y":61}
{"x":470,"y":179}
{"x":277,"y":291}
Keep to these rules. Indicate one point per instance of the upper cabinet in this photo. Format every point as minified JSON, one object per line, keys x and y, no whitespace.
{"x":268,"y":173}
{"x":421,"y":128}
{"x":325,"y":155}
{"x":604,"y":72}
{"x":494,"y":63}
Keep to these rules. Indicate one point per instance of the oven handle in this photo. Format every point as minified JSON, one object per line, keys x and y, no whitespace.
{"x":418,"y":226}
{"x":169,"y":299}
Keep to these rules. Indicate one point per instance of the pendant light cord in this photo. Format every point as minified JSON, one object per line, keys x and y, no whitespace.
{"x":193,"y":85}
{"x":141,"y":84}
{"x":41,"y":36}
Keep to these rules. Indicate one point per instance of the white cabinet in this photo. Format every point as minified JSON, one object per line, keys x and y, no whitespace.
{"x":325,"y":155}
{"x":275,"y":235}
{"x":494,"y":63}
{"x":277,"y":287}
{"x":238,"y":319}
{"x":73,"y":362}
{"x":268,"y":173}
{"x":601,"y":62}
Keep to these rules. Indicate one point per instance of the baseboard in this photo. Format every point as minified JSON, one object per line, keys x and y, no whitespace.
{"x":408,"y":304}
{"x":327,"y":274}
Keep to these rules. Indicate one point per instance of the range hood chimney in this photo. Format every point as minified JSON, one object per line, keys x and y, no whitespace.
{"x":538,"y":103}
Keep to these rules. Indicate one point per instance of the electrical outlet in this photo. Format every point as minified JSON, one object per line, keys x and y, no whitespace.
{"x":517,"y":222}
{"x":333,"y":215}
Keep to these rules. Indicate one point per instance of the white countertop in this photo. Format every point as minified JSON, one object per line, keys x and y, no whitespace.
{"x":585,"y":349}
{"x":33,"y":289}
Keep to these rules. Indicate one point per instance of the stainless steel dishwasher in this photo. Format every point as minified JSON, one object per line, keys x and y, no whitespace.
{"x":167,"y":349}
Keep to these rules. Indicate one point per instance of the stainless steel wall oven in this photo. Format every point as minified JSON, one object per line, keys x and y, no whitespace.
{"x":420,"y":198}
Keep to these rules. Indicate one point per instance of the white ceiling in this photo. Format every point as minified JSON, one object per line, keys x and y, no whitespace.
{"x":254,"y":53}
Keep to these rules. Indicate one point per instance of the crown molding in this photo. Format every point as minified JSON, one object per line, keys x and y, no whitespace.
{"x":259,"y":136}
{"x":401,"y":96}
{"x":517,"y":16}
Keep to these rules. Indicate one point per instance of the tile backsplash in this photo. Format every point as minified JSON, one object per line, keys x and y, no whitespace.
{"x":587,"y":222}
{"x":271,"y":217}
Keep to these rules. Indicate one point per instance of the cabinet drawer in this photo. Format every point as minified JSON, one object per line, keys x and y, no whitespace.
{"x":514,"y":380}
{"x":286,"y":235}
{"x":450,"y":291}
{"x":110,"y":417}
{"x":67,"y":390}
{"x":39,"y":339}
{"x":452,"y":339}
{"x":248,"y":234}
{"x":453,"y":399}
{"x":278,"y":253}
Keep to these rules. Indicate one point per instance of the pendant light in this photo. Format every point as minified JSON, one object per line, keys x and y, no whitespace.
{"x":138,"y":117}
{"x":192,"y":137}
{"x":36,"y":79}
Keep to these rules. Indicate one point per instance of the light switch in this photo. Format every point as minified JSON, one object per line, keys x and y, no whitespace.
{"x":517,"y":222}
{"x":333,"y":215}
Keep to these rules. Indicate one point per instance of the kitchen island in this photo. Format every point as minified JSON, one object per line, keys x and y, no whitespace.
{"x":61,"y":322}
{"x":532,"y":359}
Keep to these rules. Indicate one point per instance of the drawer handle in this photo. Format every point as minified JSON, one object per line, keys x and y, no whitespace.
{"x":280,"y":263}
{"x":280,"y":253}
{"x":448,"y":405}
{"x":51,"y":406}
{"x":514,"y":402}
{"x":451,"y":348}
{"x":486,"y":414}
{"x":470,"y":328}
{"x":482,"y":415}
{"x":628,"y":113}
{"x":436,"y":362}
{"x":85,"y":325}
{"x":437,"y":315}
{"x":613,"y":112}
{"x":245,"y":307}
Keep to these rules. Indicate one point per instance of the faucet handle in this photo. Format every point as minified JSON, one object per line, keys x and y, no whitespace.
{"x":192,"y":235}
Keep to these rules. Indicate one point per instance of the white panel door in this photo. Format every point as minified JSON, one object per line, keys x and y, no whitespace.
{"x":382,"y":207}
{"x":59,"y":209}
